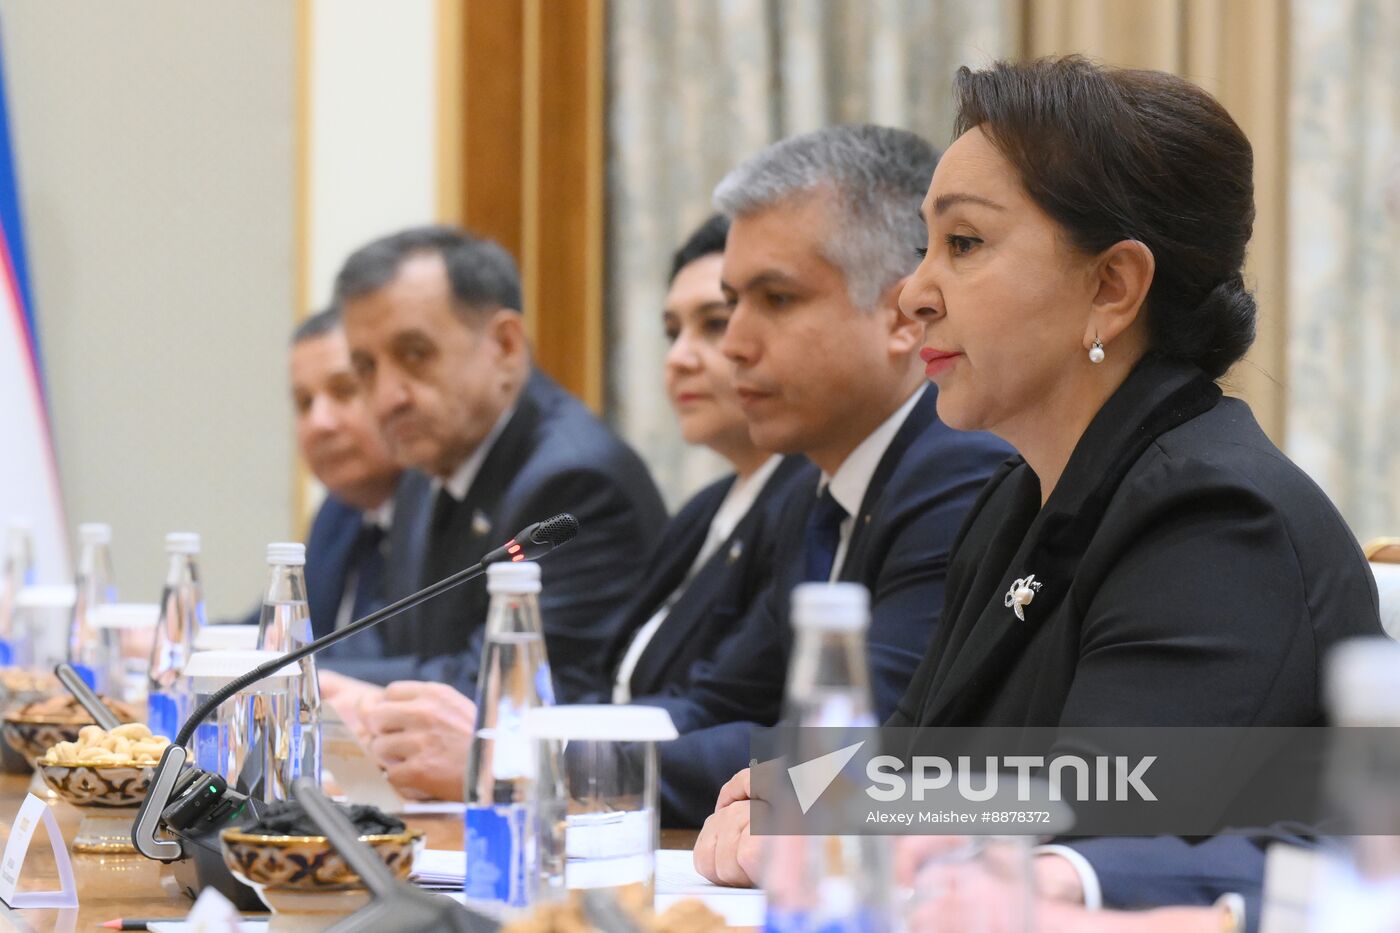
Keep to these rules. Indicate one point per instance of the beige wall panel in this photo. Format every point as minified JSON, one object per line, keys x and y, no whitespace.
{"x":155,"y":149}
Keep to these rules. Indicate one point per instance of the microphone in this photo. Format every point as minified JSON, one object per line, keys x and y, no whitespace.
{"x":531,"y":542}
{"x":534,"y":541}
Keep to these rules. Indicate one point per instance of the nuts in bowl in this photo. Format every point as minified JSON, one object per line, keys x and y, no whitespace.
{"x":32,"y":729}
{"x":101,"y":768}
{"x":131,"y":743}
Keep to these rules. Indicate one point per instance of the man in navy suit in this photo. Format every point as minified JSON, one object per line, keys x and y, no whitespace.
{"x":824,"y":230}
{"x":438,"y":342}
{"x":339,"y":439}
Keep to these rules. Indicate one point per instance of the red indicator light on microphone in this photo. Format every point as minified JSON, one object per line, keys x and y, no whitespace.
{"x":518,"y":557}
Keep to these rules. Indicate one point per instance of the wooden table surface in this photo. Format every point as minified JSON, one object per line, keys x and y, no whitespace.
{"x":111,"y":886}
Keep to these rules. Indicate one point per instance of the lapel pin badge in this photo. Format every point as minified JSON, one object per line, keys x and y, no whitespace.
{"x":736,"y":550}
{"x":481,"y":525}
{"x":1020,"y":595}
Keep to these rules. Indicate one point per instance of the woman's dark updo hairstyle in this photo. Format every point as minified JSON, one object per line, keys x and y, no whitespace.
{"x":1115,"y":154}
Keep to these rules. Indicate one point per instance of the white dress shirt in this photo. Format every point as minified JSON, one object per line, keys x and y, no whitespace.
{"x":460,"y":482}
{"x":736,"y":505}
{"x":852,"y":478}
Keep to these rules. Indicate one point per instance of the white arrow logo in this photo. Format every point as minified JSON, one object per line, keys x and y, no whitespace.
{"x":811,"y":778}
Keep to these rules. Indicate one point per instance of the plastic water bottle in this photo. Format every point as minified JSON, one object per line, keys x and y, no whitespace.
{"x":285,"y":625}
{"x":87,"y":650}
{"x":502,"y":838}
{"x":181,"y":615}
{"x":17,"y":573}
{"x":828,"y":883}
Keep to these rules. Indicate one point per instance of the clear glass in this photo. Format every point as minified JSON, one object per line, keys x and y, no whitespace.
{"x":285,"y":625}
{"x":1359,"y":890}
{"x":87,"y":648}
{"x":17,"y":573}
{"x":181,"y":612}
{"x":247,"y":741}
{"x":952,"y":866}
{"x":501,"y":835}
{"x":828,"y":882}
{"x":599,"y":823}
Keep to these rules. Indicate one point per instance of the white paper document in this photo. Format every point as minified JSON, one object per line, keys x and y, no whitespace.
{"x":676,"y":880}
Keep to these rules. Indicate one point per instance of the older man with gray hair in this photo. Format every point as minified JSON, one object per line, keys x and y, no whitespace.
{"x":825,"y":228}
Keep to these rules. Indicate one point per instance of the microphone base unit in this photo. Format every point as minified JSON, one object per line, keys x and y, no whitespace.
{"x":179,"y":823}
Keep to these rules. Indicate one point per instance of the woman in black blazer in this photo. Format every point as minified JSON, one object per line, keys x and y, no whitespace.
{"x":714,"y":557}
{"x":1150,"y":558}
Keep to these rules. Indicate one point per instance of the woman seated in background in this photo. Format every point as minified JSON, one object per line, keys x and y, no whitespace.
{"x":715,"y":555}
{"x":1151,"y":558}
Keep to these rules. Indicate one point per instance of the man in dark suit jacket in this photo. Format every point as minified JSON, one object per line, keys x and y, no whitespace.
{"x":339,"y":439}
{"x":552,"y":456}
{"x":927,"y":478}
{"x":826,"y":366}
{"x":438,"y":341}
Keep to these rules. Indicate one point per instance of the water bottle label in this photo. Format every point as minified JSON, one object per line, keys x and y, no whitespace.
{"x":297,"y":748}
{"x":163,"y":714}
{"x":88,"y":675}
{"x":7,"y":653}
{"x":497,"y":847}
{"x":210,"y":754}
{"x":544,"y":684}
{"x":864,"y":920}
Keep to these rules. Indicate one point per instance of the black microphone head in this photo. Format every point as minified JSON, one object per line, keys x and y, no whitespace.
{"x":561,"y":529}
{"x":534,"y":541}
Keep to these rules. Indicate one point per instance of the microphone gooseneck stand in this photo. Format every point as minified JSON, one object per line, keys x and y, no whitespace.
{"x":195,"y":806}
{"x":68,"y":675}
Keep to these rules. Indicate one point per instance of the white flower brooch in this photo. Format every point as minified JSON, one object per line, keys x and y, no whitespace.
{"x":1020,"y":595}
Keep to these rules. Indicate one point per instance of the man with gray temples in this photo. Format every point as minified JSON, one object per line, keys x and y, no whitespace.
{"x":438,"y":342}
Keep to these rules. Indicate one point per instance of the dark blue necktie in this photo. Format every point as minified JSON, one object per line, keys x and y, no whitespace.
{"x":369,"y":565}
{"x":823,"y":536}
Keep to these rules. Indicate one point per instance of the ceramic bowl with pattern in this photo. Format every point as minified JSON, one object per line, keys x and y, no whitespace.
{"x":34,"y":728}
{"x":308,"y":863}
{"x":121,"y":784}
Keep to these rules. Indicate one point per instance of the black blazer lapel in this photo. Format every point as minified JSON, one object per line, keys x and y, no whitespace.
{"x":1050,"y":540}
{"x":979,"y":627}
{"x":488,"y":489}
{"x":681,"y":540}
{"x":707,"y":604}
{"x":328,"y":552}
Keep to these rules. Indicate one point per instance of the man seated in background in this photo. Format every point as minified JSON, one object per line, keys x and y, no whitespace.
{"x":339,"y":439}
{"x":438,"y":342}
{"x":822,"y":237}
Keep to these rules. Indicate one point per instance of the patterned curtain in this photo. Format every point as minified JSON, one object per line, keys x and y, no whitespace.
{"x":1344,"y":256}
{"x":697,"y":85}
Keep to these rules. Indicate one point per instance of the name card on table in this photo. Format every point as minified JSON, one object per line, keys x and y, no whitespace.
{"x":31,"y":814}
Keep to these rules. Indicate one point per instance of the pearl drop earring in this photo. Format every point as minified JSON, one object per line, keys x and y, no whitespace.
{"x":1096,"y":353}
